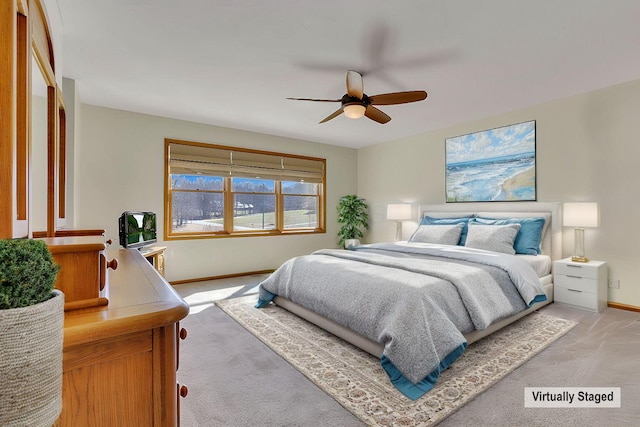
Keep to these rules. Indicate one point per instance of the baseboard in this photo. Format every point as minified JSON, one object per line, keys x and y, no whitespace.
{"x":623,"y":306}
{"x":224,"y":276}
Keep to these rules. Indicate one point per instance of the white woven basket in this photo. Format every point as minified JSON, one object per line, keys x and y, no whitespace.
{"x":31,"y":363}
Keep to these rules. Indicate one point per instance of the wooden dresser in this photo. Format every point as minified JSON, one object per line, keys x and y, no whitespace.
{"x":120,"y":360}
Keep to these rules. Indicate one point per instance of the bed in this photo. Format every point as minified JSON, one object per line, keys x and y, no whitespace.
{"x":418,"y":304}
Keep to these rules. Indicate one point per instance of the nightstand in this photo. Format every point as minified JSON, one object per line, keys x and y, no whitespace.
{"x":155,"y":255}
{"x":581,"y":284}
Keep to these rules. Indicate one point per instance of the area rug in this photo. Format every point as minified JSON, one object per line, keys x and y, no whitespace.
{"x":356,"y":380}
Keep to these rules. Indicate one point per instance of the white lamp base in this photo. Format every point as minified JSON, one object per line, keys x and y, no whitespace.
{"x":398,"y":230}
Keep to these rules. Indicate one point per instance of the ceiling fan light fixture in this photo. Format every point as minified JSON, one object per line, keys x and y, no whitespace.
{"x":354,"y":111}
{"x":356,"y":104}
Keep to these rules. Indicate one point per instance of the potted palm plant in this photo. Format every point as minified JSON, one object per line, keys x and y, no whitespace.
{"x":31,"y":335}
{"x":352,"y":214}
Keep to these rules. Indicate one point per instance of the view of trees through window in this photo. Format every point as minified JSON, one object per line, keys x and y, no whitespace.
{"x":198,"y":204}
{"x":300,"y":204}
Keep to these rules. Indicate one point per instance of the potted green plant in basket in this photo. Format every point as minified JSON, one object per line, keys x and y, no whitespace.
{"x":352,"y":214}
{"x":31,"y":335}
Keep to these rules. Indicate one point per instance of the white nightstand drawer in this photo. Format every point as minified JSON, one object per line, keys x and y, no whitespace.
{"x":581,"y":284}
{"x":576,"y":283}
{"x":578,"y":298}
{"x":576,"y":269}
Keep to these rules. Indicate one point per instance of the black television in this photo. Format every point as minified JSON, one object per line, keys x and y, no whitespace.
{"x":137,"y":229}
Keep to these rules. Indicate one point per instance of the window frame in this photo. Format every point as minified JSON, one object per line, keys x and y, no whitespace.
{"x":229,"y":198}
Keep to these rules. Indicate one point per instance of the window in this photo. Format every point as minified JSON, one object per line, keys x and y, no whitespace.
{"x":254,"y":204}
{"x":219,"y":191}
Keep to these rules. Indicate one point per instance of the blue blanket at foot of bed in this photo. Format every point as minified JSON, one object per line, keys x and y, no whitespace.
{"x":406,"y":387}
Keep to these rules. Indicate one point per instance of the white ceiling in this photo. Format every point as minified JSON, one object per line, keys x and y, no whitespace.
{"x":233,"y":63}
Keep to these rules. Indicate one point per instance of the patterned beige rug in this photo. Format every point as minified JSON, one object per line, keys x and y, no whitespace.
{"x":357,"y":381}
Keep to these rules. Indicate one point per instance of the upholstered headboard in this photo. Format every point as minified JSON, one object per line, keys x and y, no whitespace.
{"x":552,"y":237}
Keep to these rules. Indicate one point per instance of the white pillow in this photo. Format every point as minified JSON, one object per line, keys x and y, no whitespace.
{"x":496,"y":238}
{"x":437,"y":233}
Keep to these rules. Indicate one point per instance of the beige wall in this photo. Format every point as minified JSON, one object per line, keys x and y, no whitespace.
{"x":119,"y":166}
{"x":588,"y":149}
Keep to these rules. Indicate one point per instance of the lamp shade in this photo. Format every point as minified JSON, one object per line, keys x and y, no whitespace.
{"x":580,"y":214}
{"x":399,"y":212}
{"x":354,"y":111}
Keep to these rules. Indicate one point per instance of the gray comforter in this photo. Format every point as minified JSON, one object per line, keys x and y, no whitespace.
{"x":415,"y":299}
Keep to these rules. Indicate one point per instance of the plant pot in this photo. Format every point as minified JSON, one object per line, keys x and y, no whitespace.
{"x":350,"y":243}
{"x":31,"y":363}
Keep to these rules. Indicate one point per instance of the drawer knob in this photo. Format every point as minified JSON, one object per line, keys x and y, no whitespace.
{"x":184,"y":391}
{"x":183,"y":333}
{"x":109,"y":242}
{"x":113,"y":264}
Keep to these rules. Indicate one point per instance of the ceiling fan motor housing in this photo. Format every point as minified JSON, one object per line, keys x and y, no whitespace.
{"x":354,"y":100}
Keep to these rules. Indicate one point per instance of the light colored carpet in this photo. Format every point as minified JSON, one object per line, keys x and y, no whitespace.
{"x":357,"y":381}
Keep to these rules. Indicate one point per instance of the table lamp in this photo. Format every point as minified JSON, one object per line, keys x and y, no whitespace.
{"x":580,"y":215}
{"x":399,"y":212}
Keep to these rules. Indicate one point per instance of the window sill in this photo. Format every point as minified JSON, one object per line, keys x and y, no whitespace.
{"x":195,"y":236}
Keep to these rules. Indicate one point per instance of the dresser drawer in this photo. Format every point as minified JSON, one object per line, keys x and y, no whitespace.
{"x":577,"y":298}
{"x":576,"y":269}
{"x":576,"y":283}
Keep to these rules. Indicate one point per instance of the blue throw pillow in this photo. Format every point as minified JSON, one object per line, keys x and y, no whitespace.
{"x":428,"y":220}
{"x":529,"y":237}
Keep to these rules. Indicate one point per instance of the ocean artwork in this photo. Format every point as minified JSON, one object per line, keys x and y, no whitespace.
{"x":492,"y":165}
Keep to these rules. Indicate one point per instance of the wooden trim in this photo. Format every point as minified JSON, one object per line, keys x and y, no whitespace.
{"x":85,"y":303}
{"x":224,"y":276}
{"x":40,"y":33}
{"x":224,"y":235}
{"x":624,"y":306}
{"x":22,"y":7}
{"x":227,"y":215}
{"x":8,"y":38}
{"x":168,"y":195}
{"x":74,"y":244}
{"x":70,"y":233}
{"x":23,"y":114}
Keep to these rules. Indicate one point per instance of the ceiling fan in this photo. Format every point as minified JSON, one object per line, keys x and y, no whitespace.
{"x":356,"y":103}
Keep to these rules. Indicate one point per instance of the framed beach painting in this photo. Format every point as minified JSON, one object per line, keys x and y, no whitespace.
{"x":492,"y":165}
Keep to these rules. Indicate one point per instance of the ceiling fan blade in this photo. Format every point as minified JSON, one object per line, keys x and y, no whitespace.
{"x":376,"y":115}
{"x":332,"y":115}
{"x":315,"y":99}
{"x":355,"y":87}
{"x":398,"y":97}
